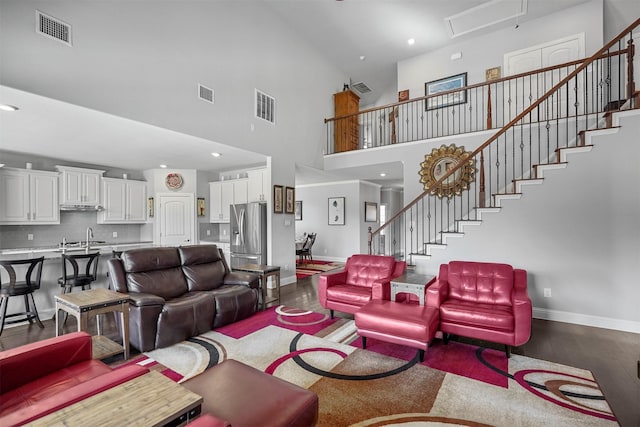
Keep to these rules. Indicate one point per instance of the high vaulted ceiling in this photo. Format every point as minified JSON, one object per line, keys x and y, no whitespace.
{"x":344,"y":31}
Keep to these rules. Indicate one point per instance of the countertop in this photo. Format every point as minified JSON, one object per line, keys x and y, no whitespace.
{"x":55,"y":251}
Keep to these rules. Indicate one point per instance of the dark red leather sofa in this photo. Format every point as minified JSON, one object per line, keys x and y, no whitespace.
{"x":178,"y":293}
{"x":42,"y":377}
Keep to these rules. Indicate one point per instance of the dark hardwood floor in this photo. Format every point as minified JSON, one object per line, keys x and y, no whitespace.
{"x":612,"y":356}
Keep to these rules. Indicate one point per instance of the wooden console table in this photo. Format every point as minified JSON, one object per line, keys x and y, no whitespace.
{"x":148,"y":400}
{"x":264,"y":271}
{"x":92,"y":302}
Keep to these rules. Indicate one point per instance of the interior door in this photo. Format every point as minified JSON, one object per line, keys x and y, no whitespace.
{"x":520,"y":93}
{"x":176,"y":219}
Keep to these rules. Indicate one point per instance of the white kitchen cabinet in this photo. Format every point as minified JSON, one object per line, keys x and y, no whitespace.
{"x":223,"y":194}
{"x":28,"y":197}
{"x":124,"y":201}
{"x":258,"y":185}
{"x":240,"y":188}
{"x":79,"y":186}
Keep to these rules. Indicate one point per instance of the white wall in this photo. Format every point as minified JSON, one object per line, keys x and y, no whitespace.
{"x":143,"y":62}
{"x":576,"y":234}
{"x":486,"y":51}
{"x":336,"y":242}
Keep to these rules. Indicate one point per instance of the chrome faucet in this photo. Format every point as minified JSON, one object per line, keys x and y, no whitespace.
{"x":89,"y":237}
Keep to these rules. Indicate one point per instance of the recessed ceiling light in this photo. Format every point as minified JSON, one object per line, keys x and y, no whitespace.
{"x":362,"y":58}
{"x":6,"y":107}
{"x":163,"y":166}
{"x":411,"y":42}
{"x":383,"y":174}
{"x":216,"y":154}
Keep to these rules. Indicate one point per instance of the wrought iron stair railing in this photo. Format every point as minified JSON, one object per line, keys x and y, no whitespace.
{"x":516,"y":154}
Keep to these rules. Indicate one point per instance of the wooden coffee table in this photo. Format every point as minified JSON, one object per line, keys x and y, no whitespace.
{"x":148,"y":400}
{"x":92,"y":302}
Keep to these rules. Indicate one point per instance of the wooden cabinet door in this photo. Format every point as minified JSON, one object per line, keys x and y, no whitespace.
{"x":215,"y":201}
{"x":114,"y":201}
{"x":136,"y":201}
{"x":91,"y":188}
{"x":43,"y":198}
{"x":14,"y":197}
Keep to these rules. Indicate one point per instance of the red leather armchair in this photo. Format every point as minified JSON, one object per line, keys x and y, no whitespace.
{"x":486,"y":301}
{"x":363,"y":278}
{"x":42,"y":377}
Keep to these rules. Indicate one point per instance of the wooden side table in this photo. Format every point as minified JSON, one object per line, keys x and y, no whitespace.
{"x":148,"y":400}
{"x":92,"y":302}
{"x":264,"y":271}
{"x":411,"y":283}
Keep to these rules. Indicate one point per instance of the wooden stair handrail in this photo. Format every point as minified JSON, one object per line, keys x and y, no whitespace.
{"x":474,"y":86}
{"x":509,"y":125}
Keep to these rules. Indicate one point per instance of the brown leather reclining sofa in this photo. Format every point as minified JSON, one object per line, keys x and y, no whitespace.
{"x":178,"y":293}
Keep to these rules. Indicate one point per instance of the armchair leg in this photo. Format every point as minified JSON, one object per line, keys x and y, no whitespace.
{"x":421,"y":355}
{"x":331,"y":312}
{"x":445,"y":338}
{"x":507,"y":350}
{"x":364,"y":342}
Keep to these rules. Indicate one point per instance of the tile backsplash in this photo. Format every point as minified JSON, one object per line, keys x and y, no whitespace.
{"x":73,"y":226}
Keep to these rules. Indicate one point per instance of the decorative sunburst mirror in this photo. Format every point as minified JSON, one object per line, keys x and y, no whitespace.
{"x":442,"y":160}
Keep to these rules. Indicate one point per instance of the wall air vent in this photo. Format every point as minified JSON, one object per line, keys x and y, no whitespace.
{"x":53,"y":28}
{"x":265,"y":107}
{"x":205,"y":93}
{"x":361,"y":87}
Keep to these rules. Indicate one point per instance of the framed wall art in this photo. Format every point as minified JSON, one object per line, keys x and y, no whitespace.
{"x":278,"y":197}
{"x":370,"y":212}
{"x":445,"y":85}
{"x":289,"y":200}
{"x":298,"y":212}
{"x":201,"y":207}
{"x":150,"y":207}
{"x":336,"y":210}
{"x":440,"y":162}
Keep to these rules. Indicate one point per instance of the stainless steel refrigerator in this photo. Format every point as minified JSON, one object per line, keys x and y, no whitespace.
{"x":248,"y":234}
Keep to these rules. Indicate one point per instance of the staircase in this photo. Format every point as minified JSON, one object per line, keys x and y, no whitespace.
{"x":559,"y":124}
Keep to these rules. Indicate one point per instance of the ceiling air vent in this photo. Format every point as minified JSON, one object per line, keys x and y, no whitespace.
{"x":265,"y":107}
{"x":205,"y":93}
{"x":53,"y":28}
{"x":361,"y":87}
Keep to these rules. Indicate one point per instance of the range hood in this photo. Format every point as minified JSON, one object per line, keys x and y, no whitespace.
{"x":82,"y":208}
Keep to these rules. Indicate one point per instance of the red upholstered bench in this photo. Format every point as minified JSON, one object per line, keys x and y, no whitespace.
{"x":398,"y":323}
{"x":243,"y":396}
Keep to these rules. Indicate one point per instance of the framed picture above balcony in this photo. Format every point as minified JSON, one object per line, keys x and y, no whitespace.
{"x":447,"y":84}
{"x":439,"y":163}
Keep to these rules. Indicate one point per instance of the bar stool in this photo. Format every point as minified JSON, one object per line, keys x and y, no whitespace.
{"x":74,"y":276}
{"x":13,"y":288}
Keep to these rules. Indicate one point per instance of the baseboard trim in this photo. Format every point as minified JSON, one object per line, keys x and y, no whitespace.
{"x":587,"y":320}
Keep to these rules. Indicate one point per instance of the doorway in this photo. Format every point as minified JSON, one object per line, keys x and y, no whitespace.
{"x":176,"y":219}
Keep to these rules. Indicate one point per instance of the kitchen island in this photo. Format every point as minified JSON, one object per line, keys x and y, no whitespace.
{"x":52,"y":270}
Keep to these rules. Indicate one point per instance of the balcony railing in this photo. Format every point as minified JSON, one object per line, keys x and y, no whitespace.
{"x":486,"y":106}
{"x":533,"y":129}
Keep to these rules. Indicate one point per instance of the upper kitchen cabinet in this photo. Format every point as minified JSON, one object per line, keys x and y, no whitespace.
{"x":124,"y":201}
{"x":258,"y":185}
{"x":79,"y":186}
{"x":223,"y":194}
{"x":28,"y":197}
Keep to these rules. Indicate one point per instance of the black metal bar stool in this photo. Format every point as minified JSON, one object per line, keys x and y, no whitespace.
{"x":73,"y":275}
{"x":13,"y":288}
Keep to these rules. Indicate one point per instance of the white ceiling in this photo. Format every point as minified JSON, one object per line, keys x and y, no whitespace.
{"x":342,"y":30}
